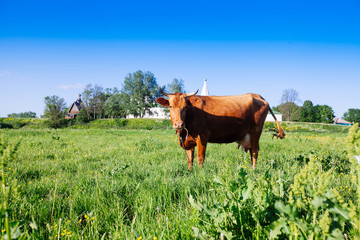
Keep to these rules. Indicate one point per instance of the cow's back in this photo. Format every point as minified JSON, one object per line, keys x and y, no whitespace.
{"x":231,"y":106}
{"x":227,"y":118}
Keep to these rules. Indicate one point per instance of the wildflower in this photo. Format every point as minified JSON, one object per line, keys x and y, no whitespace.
{"x":69,"y":232}
{"x":139,"y":238}
{"x":68,"y":221}
{"x":62,"y":234}
{"x":267,"y":179}
{"x":84,"y":156}
{"x":85,"y":216}
{"x":155,"y":238}
{"x":80,"y":220}
{"x":92,"y":218}
{"x":3,"y":230}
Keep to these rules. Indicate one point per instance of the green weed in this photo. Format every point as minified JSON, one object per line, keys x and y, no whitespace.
{"x":124,"y":184}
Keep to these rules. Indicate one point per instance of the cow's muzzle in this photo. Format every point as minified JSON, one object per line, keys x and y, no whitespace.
{"x":179,"y":125}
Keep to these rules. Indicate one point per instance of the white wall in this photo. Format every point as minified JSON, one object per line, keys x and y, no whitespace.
{"x":156,"y":112}
{"x":269,"y":118}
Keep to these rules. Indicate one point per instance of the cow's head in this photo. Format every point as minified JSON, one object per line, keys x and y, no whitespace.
{"x":178,"y":104}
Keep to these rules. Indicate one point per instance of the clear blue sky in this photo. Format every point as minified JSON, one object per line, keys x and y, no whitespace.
{"x":57,"y":47}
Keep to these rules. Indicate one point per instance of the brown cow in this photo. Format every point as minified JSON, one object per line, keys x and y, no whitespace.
{"x":218,"y":119}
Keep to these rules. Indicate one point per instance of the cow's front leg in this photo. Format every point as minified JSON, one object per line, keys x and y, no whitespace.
{"x":190,"y":158}
{"x":201,"y":145}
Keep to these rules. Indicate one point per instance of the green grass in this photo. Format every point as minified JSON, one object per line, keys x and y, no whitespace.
{"x":123,"y":184}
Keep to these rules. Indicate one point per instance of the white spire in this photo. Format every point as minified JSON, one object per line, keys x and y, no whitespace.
{"x":204,"y":91}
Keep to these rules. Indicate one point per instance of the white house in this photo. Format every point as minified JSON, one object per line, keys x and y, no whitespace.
{"x":157,"y":112}
{"x":269,"y":117}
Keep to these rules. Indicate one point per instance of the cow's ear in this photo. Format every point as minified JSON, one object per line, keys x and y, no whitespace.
{"x":162,"y":101}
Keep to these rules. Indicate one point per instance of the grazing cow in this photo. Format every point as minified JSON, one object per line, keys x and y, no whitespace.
{"x":218,"y":119}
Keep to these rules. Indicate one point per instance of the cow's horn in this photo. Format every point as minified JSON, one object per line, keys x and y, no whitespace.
{"x":191,"y":94}
{"x":163,"y":93}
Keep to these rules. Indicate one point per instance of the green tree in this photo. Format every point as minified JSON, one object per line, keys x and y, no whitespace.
{"x":23,"y":115}
{"x":87,"y":99}
{"x":55,"y":111}
{"x":324,"y":114}
{"x":141,"y":89}
{"x":288,"y":107}
{"x":116,"y":105}
{"x":94,"y":98}
{"x":307,"y":112}
{"x":352,"y":115}
{"x":290,"y":111}
{"x":177,"y":85}
{"x":82,"y":117}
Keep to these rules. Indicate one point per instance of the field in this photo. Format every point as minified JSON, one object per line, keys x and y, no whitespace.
{"x":131,"y":184}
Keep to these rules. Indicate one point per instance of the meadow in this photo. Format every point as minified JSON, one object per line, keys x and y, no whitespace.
{"x":134,"y":184}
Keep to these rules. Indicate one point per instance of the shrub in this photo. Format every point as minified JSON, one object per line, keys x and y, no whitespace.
{"x":9,"y":193}
{"x":6,"y":125}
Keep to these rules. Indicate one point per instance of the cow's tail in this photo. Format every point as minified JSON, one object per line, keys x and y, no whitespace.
{"x":279,"y":132}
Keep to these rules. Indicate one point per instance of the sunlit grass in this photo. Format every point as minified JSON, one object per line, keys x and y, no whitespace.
{"x":126,"y":184}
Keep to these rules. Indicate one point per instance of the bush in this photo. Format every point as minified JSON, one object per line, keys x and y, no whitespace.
{"x":312,"y":207}
{"x":118,"y":123}
{"x":6,"y":125}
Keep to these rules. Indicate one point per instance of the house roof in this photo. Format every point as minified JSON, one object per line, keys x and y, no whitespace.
{"x":341,"y":121}
{"x":78,"y":104}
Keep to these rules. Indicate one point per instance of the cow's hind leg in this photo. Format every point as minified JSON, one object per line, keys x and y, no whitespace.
{"x":254,"y":152}
{"x":190,"y":158}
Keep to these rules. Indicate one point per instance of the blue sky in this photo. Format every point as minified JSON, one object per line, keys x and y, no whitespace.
{"x":57,"y":47}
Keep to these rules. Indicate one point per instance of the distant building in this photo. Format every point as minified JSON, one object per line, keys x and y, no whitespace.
{"x":339,"y":121}
{"x":204,"y":91}
{"x":155,"y":112}
{"x":269,"y":117}
{"x":75,"y":108}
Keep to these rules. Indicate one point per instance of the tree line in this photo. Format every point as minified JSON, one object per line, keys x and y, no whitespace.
{"x":140,"y":90}
{"x":136,"y":97}
{"x":309,"y":112}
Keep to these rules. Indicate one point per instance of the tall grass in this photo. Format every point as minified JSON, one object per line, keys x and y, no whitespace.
{"x":126,"y":184}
